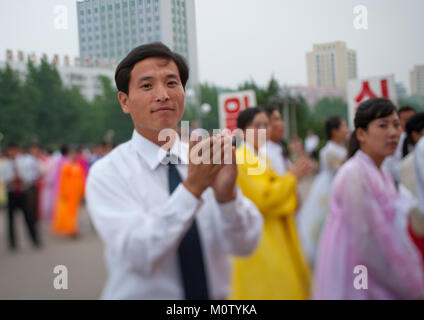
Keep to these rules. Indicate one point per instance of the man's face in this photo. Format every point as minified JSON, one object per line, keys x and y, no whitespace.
{"x":342,"y":133}
{"x":404,"y":117}
{"x":155,"y":97}
{"x":277,"y":127}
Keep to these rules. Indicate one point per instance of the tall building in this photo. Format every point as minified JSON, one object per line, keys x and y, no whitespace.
{"x":331,"y":65}
{"x":417,"y":80}
{"x":109,"y":29}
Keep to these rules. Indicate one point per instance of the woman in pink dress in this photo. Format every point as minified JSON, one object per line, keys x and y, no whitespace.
{"x":365,"y":250}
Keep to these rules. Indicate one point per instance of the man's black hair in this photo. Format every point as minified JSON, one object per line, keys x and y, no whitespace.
{"x":406,"y":108}
{"x":332,"y":123}
{"x":269,"y":110}
{"x":155,"y":49}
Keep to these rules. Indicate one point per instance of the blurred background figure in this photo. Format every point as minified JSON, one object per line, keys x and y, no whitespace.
{"x":311,"y":144}
{"x":414,"y":132}
{"x":314,"y":211}
{"x":35,"y":192}
{"x":19,"y":174}
{"x":296,"y":148}
{"x":274,"y":148}
{"x":82,"y":161}
{"x":277,"y":268}
{"x":392,"y":163}
{"x":99,"y":150}
{"x":69,"y":196}
{"x":367,"y":224}
{"x":3,"y":192}
{"x":410,"y":178}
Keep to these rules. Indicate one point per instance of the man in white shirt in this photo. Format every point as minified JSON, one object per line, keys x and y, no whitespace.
{"x":311,"y":144}
{"x":273,"y":149}
{"x":19,"y":174}
{"x":392,"y":164}
{"x":169,"y":229}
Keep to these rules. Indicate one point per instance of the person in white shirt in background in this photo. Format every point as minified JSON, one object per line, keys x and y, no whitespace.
{"x":392,"y":163}
{"x":144,"y":216}
{"x":418,"y":219}
{"x":311,"y":144}
{"x":412,"y":169}
{"x":414,"y":132}
{"x":273,"y":148}
{"x":313,"y":214}
{"x":19,"y":174}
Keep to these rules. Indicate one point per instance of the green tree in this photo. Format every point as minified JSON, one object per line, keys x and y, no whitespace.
{"x":16,"y":120}
{"x":329,"y":107}
{"x":209,"y":94}
{"x":111,"y":116}
{"x":417,"y":102}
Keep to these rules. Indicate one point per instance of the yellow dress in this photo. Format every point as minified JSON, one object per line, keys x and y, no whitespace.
{"x":277,"y":269}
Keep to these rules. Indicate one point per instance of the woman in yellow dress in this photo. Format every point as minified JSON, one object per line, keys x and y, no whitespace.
{"x":277,"y":269}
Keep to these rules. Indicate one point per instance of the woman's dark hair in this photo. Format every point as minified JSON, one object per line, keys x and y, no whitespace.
{"x":414,"y":124}
{"x":332,"y":123}
{"x":368,"y":111}
{"x":155,"y":49}
{"x":405,"y":108}
{"x":246,"y":116}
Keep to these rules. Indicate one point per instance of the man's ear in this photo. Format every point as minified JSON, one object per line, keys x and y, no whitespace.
{"x":123,"y":100}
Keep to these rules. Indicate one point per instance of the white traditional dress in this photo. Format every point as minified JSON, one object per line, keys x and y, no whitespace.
{"x":366,"y":236}
{"x":313,"y":213}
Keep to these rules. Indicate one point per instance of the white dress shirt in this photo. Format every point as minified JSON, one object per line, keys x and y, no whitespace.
{"x":311,"y":143}
{"x":141,"y":224}
{"x":26,"y":167}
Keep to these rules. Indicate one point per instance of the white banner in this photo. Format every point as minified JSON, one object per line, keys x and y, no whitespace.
{"x":231,"y":104}
{"x":360,"y":90}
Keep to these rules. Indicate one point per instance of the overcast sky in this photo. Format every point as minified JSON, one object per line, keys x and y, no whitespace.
{"x":242,"y":39}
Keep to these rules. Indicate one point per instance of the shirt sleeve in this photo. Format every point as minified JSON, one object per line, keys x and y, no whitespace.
{"x":238,"y":226}
{"x":143,"y":238}
{"x":379,"y":243}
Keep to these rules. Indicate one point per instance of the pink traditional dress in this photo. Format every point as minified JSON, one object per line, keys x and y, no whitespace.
{"x":367,"y":227}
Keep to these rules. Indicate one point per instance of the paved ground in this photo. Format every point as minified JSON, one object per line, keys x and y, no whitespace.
{"x":28,"y":273}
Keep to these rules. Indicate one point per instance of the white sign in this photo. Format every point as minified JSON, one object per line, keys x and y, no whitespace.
{"x":359,"y":90}
{"x":231,"y":104}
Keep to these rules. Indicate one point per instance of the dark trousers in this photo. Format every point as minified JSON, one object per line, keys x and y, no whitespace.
{"x":21,"y":201}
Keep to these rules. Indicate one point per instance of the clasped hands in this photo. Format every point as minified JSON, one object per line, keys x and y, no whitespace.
{"x":212,"y":163}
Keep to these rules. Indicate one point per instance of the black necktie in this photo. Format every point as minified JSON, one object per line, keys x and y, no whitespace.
{"x":190,"y":252}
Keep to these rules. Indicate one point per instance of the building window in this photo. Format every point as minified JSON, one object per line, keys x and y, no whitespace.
{"x":82,"y":12}
{"x":88,"y":11}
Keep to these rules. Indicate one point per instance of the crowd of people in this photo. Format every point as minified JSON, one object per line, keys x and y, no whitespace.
{"x":45,"y":186}
{"x":174,"y":228}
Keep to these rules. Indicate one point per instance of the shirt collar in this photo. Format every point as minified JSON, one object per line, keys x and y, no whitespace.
{"x":153,"y":154}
